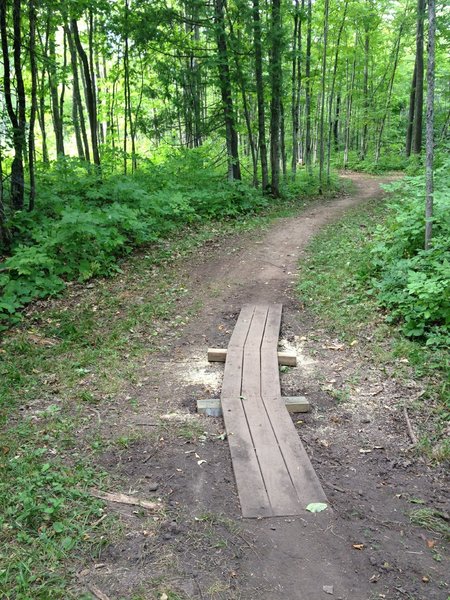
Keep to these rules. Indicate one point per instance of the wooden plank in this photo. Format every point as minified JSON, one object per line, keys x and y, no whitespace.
{"x":251,"y":489}
{"x":302,"y":474}
{"x":282,"y":497}
{"x":287,"y":359}
{"x":212,"y":407}
{"x":296,"y":404}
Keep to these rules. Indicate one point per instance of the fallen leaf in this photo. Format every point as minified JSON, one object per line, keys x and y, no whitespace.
{"x":431,"y":543}
{"x":316,"y":507}
{"x":358,"y":546}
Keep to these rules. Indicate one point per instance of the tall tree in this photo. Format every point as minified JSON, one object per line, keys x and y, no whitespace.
{"x":430,"y":123}
{"x":33,"y":106}
{"x":418,"y":104}
{"x":331,"y":97}
{"x":16,"y":116}
{"x":90,"y":92}
{"x":55,"y":99}
{"x":234,"y":169}
{"x":276,"y":33}
{"x":308,"y":149}
{"x":322,"y":99}
{"x":257,"y":43}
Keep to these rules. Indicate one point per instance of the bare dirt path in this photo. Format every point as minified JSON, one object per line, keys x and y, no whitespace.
{"x":199,"y":547}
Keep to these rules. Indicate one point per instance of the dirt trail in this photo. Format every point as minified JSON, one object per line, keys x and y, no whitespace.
{"x":201,"y":548}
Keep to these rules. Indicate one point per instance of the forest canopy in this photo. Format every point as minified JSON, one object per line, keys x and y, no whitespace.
{"x":123,"y":120}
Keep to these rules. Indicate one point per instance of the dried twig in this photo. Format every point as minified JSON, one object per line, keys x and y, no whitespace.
{"x":97,"y":593}
{"x":411,"y":433}
{"x":124,"y":499}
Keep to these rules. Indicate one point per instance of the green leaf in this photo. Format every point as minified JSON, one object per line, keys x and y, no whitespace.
{"x":58,"y":527}
{"x":316,"y":507}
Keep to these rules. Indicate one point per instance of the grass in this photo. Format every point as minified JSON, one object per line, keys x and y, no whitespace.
{"x":66,"y":359}
{"x":335,"y":286}
{"x":432,"y":520}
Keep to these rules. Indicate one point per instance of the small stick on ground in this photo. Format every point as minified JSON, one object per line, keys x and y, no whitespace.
{"x":124,"y":499}
{"x":411,"y":433}
{"x":97,"y":593}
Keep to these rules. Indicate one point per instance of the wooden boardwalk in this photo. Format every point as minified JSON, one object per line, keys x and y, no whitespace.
{"x":273,"y":473}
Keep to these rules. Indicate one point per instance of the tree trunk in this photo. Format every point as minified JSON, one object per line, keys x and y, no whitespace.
{"x":389,"y":95}
{"x":248,"y":120}
{"x":17,"y":118}
{"x":363,"y":147}
{"x":322,"y":104}
{"x":337,"y":116}
{"x":430,"y":122}
{"x":77,"y":108}
{"x":348,"y":116}
{"x":333,"y":84}
{"x":260,"y":95}
{"x":33,"y":107}
{"x":418,"y":105}
{"x":90,"y":93}
{"x":234,"y":170}
{"x":308,"y":90}
{"x":41,"y":105}
{"x":275,"y":104}
{"x":412,"y":102}
{"x":283,"y":141}
{"x":296,"y":82}
{"x":53,"y":85}
{"x":5,"y":235}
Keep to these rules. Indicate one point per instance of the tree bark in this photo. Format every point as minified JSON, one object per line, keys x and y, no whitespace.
{"x":77,"y":108}
{"x":430,"y":123}
{"x":333,"y":84}
{"x":296,"y":82}
{"x":234,"y":169}
{"x":389,"y":95}
{"x":276,"y":89}
{"x":33,"y":106}
{"x":418,"y":104}
{"x":90,"y":92}
{"x":322,"y":104}
{"x":363,"y":147}
{"x":260,"y":96}
{"x":308,"y":90}
{"x":17,"y":118}
{"x":412,"y":102}
{"x":53,"y":85}
{"x":41,"y":104}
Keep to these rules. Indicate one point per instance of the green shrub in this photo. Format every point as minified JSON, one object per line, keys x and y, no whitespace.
{"x":83,"y":224}
{"x":413,"y":283}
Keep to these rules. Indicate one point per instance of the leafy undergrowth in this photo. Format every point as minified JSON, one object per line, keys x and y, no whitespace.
{"x":389,"y":161}
{"x":337,"y":283}
{"x":84,"y":224}
{"x":413,"y":283}
{"x":68,"y":358}
{"x":46,"y":510}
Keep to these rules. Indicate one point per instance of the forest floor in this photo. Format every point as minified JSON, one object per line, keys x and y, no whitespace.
{"x":197,"y":545}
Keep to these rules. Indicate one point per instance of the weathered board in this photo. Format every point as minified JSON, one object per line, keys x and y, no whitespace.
{"x":213,"y":407}
{"x":287,"y":359}
{"x":274,"y":475}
